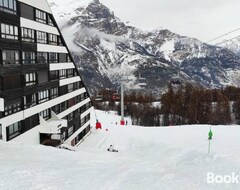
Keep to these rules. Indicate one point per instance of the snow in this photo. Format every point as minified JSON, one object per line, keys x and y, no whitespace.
{"x":150,"y":158}
{"x":168,"y":47}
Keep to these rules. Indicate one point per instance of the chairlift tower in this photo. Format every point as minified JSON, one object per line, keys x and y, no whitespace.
{"x":122,"y":122}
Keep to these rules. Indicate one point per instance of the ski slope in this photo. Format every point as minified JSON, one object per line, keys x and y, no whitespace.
{"x":164,"y":158}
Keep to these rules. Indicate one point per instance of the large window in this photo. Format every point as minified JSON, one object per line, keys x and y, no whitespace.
{"x":42,"y":57}
{"x":53,"y":57}
{"x":43,"y":96}
{"x":52,"y":39}
{"x":30,"y":100}
{"x":54,"y":92}
{"x":12,"y":107}
{"x":41,"y":37}
{"x":62,"y":73}
{"x":70,"y":130}
{"x":28,"y":35}
{"x":53,"y":75}
{"x":8,"y":6}
{"x":9,"y":31}
{"x":14,"y":130}
{"x":30,"y":79}
{"x":10,"y":57}
{"x":50,"y":22}
{"x":45,"y":114}
{"x":41,"y":16}
{"x":28,"y":57}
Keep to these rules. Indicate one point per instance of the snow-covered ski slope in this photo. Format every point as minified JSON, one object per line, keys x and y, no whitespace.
{"x":164,"y":158}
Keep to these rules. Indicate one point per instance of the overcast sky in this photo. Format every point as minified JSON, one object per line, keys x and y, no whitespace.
{"x":203,"y":19}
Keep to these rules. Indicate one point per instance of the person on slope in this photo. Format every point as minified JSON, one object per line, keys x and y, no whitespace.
{"x":112,"y":149}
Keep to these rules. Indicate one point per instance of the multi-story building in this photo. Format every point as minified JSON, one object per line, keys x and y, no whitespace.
{"x":42,"y":97}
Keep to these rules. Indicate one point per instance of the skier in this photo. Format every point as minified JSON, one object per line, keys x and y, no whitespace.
{"x":111,"y":149}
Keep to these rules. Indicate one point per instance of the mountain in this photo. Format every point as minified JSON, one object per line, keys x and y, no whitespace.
{"x":232,"y":44}
{"x":107,"y":51}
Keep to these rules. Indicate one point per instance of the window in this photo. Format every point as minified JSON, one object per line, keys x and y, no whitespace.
{"x":30,"y":100}
{"x":60,"y":41}
{"x":53,"y":57}
{"x":11,"y":82}
{"x":42,"y":57}
{"x":28,"y":35}
{"x":10,"y":57}
{"x":42,"y":77}
{"x":14,"y":130}
{"x":62,"y":74}
{"x":70,"y":87}
{"x":41,"y":37}
{"x":70,"y":130}
{"x":70,"y":116}
{"x":30,"y":79}
{"x":54,"y":93}
{"x":9,"y":31}
{"x":50,"y":21}
{"x":56,"y":109}
{"x":52,"y":39}
{"x":69,"y":59}
{"x":41,"y":16}
{"x":45,"y":114}
{"x":77,"y":85}
{"x":63,"y":106}
{"x":70,"y":73}
{"x":12,"y":107}
{"x":53,"y":75}
{"x":8,"y":6}
{"x":43,"y":96}
{"x":28,"y":57}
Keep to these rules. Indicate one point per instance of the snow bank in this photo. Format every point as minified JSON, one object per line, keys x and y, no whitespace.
{"x":169,"y":158}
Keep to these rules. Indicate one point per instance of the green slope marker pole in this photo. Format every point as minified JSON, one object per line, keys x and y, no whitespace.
{"x":209,"y":143}
{"x":210,"y":134}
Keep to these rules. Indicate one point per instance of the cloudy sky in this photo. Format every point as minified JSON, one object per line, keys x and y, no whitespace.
{"x":203,"y":19}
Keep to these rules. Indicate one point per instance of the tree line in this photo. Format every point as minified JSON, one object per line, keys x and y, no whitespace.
{"x":186,"y":104}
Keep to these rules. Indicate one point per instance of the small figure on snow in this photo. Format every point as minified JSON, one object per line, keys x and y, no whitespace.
{"x":112,"y":149}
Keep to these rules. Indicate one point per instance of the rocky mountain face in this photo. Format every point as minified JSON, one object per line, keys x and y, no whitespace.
{"x":232,"y":44}
{"x":109,"y":51}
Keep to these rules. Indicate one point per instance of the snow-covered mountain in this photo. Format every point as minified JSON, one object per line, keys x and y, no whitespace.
{"x":108,"y":51}
{"x":232,"y":44}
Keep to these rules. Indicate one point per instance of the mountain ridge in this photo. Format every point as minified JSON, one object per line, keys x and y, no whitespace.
{"x":106,"y":49}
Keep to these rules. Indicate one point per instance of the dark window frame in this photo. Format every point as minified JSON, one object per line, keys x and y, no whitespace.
{"x":10,"y":7}
{"x":30,"y":79}
{"x":41,"y":16}
{"x":11,"y":57}
{"x":28,"y":57}
{"x":28,"y":35}
{"x":42,"y":37}
{"x":9,"y":31}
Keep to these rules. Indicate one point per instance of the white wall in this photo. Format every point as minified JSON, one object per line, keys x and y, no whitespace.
{"x":67,"y":81}
{"x":38,"y":26}
{"x":59,"y":66}
{"x":51,"y":48}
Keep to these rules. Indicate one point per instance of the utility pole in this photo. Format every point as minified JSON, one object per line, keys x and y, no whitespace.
{"x":122,"y":122}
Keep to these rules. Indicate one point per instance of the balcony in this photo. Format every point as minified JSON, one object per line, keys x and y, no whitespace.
{"x":50,"y":130}
{"x":53,"y":125}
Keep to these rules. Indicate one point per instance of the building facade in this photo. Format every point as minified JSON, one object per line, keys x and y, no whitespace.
{"x":42,"y":97}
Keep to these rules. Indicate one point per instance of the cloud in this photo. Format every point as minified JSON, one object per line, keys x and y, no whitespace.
{"x":203,"y":19}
